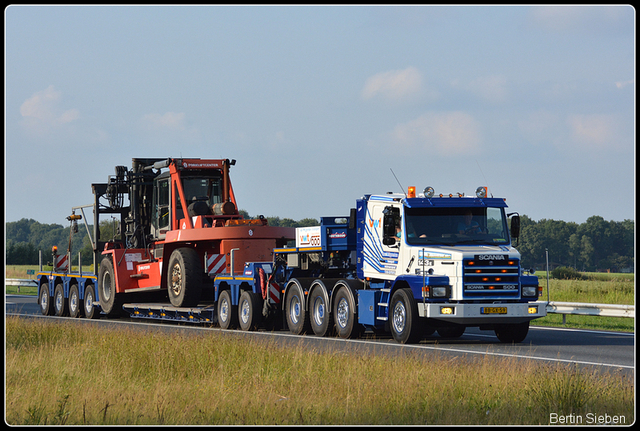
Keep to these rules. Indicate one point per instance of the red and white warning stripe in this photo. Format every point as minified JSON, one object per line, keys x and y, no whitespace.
{"x":61,"y":262}
{"x":216,"y":263}
{"x":274,"y":292}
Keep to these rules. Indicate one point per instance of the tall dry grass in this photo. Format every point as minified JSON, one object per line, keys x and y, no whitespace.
{"x":58,"y":373}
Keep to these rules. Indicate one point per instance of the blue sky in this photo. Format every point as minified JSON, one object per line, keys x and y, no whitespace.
{"x":318,"y":103}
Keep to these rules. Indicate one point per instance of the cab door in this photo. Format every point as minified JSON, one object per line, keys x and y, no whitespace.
{"x":161,"y":212}
{"x":382,"y":241}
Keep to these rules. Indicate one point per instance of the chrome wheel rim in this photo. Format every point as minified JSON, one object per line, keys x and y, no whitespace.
{"x":342,"y":312}
{"x":399,"y":317}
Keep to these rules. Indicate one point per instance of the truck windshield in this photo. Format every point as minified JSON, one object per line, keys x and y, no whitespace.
{"x":450,"y":226}
{"x":206,"y":189}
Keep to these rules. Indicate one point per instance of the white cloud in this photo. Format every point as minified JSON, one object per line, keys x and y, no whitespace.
{"x":595,"y":130}
{"x":169,"y":120}
{"x":41,"y":112}
{"x":447,"y":133}
{"x":622,"y":84}
{"x":393,"y":85}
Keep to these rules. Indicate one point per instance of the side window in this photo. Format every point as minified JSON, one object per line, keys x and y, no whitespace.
{"x":390,"y":225}
{"x":494,"y":221}
{"x":161,"y":218}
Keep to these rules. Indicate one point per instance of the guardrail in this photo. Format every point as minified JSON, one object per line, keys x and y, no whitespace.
{"x":585,"y":309}
{"x":20,"y":282}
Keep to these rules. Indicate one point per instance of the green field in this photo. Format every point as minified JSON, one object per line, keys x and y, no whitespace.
{"x":60,"y":373}
{"x":598,"y":288}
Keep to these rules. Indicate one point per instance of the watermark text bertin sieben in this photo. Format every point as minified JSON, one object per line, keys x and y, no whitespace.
{"x":587,"y":419}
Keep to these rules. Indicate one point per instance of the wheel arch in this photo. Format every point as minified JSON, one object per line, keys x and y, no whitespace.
{"x":352,"y":286}
{"x":326,"y":285}
{"x":303,"y":284}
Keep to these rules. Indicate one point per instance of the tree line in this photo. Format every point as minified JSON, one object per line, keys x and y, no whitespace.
{"x":26,"y":237}
{"x":595,"y":245}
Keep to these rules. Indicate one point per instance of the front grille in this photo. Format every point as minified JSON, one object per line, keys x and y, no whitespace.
{"x":491,"y":279}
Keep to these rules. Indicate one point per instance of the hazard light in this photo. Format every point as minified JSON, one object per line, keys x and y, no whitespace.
{"x":411,"y":192}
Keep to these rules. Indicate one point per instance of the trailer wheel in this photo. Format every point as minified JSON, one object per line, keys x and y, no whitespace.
{"x":46,"y":304}
{"x":109,"y":300}
{"x":184,"y":278}
{"x":320,"y":311}
{"x":515,"y":333}
{"x":405,"y":324}
{"x":297,"y":318}
{"x":249,"y":310}
{"x":344,"y":314}
{"x":90,"y":311}
{"x":227,"y":313}
{"x":60,"y":304}
{"x":75,"y":305}
{"x":451,"y":331}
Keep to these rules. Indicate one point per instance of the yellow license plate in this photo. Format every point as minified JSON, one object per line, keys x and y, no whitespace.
{"x":493,"y":310}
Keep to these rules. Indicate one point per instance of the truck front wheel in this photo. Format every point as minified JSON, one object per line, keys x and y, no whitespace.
{"x":184,"y":278}
{"x":515,"y":333}
{"x":404,"y":325}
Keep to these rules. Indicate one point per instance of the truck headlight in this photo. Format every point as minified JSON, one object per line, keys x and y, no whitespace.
{"x":529,"y":290}
{"x":439,"y":292}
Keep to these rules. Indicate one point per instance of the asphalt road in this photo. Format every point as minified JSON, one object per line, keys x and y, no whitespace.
{"x":607,"y":351}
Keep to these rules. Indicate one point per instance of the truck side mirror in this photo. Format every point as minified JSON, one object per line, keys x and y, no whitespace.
{"x":515,"y":226}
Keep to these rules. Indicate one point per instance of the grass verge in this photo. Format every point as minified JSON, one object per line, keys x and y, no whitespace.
{"x":60,"y":373}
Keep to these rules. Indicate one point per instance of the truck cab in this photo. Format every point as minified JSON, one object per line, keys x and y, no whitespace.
{"x":454,"y":253}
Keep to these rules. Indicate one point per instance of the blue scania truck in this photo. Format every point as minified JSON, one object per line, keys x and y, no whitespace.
{"x":401,"y":263}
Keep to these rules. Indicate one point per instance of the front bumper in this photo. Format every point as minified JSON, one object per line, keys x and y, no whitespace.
{"x":479,"y":314}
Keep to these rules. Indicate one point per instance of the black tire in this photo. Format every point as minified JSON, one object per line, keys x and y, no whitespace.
{"x":294,"y":309}
{"x":344,"y":313}
{"x":60,"y":304}
{"x":110,"y":301}
{"x":249,"y":310}
{"x":404,"y":321}
{"x":319,"y":310}
{"x":451,"y":331}
{"x":90,"y":311}
{"x":227,"y":313}
{"x":184,"y":278}
{"x":515,"y":333}
{"x":76,"y":308}
{"x":45,"y":301}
